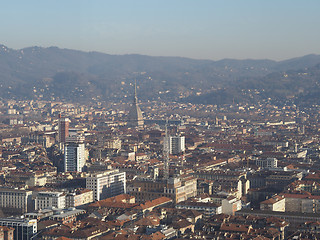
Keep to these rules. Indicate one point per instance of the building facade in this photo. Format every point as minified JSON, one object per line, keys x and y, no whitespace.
{"x":15,"y":201}
{"x":63,"y":129}
{"x":177,"y":189}
{"x":50,"y":199}
{"x":106,"y":184}
{"x":176,"y":144}
{"x":79,"y":198}
{"x":267,"y":163}
{"x":6,"y":233}
{"x":24,"y":229}
{"x":74,"y":154}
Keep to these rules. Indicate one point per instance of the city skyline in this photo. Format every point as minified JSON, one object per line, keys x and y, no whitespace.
{"x":206,"y":30}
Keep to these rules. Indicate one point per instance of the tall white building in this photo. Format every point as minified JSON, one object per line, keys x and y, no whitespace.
{"x":106,"y":184}
{"x":74,"y":154}
{"x":176,"y":144}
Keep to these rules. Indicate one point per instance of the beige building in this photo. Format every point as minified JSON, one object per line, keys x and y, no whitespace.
{"x":30,"y":179}
{"x":303,"y":203}
{"x":290,"y":202}
{"x":79,"y":198}
{"x":230,"y":205}
{"x":178,"y":189}
{"x":15,"y":200}
{"x":113,"y":143}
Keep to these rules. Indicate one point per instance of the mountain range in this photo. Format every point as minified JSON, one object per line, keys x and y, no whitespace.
{"x":63,"y":74}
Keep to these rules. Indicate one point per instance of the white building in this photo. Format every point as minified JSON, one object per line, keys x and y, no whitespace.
{"x":267,"y":163}
{"x":50,"y":199}
{"x":74,"y":154}
{"x":176,"y":144}
{"x":106,"y":184}
{"x":20,"y":200}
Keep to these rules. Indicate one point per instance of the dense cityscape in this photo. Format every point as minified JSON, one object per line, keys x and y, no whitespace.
{"x":159,"y":120}
{"x":159,"y":170}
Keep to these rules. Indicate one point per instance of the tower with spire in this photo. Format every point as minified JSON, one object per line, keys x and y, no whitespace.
{"x":135,"y":118}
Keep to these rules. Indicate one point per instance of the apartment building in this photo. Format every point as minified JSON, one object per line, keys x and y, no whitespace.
{"x":106,"y":184}
{"x":50,"y":199}
{"x":15,"y":200}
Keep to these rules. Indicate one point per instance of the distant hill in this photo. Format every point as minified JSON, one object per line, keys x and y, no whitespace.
{"x":64,"y":74}
{"x":301,"y":87}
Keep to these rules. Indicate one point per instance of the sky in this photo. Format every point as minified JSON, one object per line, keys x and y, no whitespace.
{"x":200,"y":29}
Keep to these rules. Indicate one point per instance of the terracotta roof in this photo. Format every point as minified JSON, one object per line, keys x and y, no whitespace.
{"x":63,"y":238}
{"x":119,"y":201}
{"x":291,"y":195}
{"x":273,"y":200}
{"x":181,"y":223}
{"x":154,"y":203}
{"x":150,"y":220}
{"x":232,"y":227}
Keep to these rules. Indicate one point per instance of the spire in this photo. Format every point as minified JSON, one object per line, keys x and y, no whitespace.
{"x":135,"y":118}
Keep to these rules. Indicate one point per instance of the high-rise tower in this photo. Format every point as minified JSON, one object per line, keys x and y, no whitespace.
{"x":63,"y":129}
{"x":176,"y":144}
{"x":135,"y":118}
{"x":74,"y":154}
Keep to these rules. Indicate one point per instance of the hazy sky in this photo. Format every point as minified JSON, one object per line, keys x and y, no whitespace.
{"x":202,"y":29}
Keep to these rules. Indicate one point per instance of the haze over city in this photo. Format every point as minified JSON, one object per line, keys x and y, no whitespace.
{"x":206,"y":29}
{"x":159,"y":120}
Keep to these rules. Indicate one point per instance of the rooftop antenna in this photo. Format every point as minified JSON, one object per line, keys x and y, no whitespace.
{"x":166,"y":152}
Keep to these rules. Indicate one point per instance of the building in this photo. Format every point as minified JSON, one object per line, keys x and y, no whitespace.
{"x":294,"y":218}
{"x":50,"y":199}
{"x":66,"y":215}
{"x":230,"y":205}
{"x":267,"y":163}
{"x":63,"y":129}
{"x":207,"y":208}
{"x":6,"y":233}
{"x":176,"y":144}
{"x":178,"y":189}
{"x":303,"y":203}
{"x":43,"y":139}
{"x":79,"y":197}
{"x":24,"y":229}
{"x":135,"y":118}
{"x":15,"y":201}
{"x":74,"y":154}
{"x":275,"y":203}
{"x":106,"y":184}
{"x":113,"y":143}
